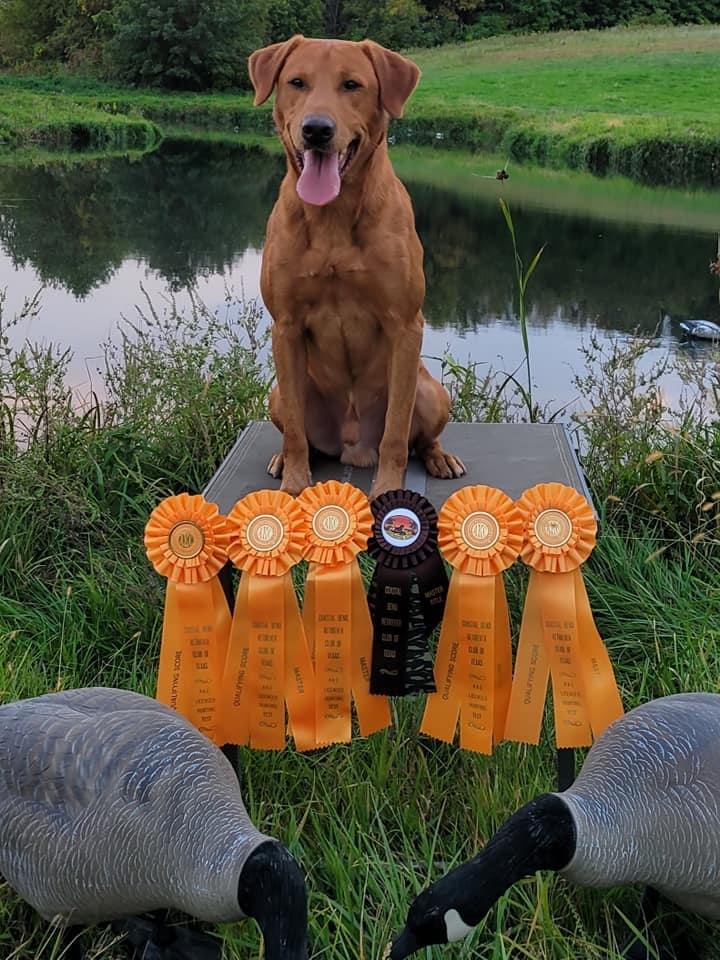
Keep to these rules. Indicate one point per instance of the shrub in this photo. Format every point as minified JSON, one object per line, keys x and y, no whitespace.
{"x":186,"y":44}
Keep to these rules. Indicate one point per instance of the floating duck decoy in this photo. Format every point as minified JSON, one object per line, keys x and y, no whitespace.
{"x":644,"y":809}
{"x":501,"y":174}
{"x":113,"y":805}
{"x":700,"y":329}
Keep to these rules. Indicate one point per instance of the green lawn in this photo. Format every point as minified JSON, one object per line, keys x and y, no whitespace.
{"x":678,"y":87}
{"x":672,"y":74}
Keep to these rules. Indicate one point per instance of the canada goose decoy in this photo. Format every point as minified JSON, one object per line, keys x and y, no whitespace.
{"x":700,"y":329}
{"x":693,"y":329}
{"x":645,"y":809}
{"x":113,"y":805}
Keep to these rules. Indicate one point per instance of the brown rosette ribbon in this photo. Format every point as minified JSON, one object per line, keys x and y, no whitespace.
{"x":337,"y":526}
{"x":480,"y":534}
{"x":558,"y":636}
{"x":268,"y":663}
{"x":186,"y":541}
{"x":407,"y":593}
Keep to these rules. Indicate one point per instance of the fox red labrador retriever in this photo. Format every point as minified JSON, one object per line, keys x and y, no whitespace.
{"x":342,"y":272}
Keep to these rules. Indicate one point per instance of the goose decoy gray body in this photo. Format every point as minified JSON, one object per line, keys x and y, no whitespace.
{"x":644,"y":809}
{"x":111,"y":804}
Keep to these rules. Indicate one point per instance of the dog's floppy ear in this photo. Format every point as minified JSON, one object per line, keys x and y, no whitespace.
{"x":265,"y":65}
{"x":396,"y":76}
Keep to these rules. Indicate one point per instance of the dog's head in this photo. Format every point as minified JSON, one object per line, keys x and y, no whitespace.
{"x":332,"y":105}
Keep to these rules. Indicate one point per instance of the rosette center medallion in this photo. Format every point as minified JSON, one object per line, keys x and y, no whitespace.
{"x":480,"y":530}
{"x":265,"y":533}
{"x":186,"y":540}
{"x":553,"y":528}
{"x":331,"y":523}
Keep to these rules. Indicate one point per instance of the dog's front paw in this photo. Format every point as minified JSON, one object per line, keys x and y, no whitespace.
{"x":383,"y":483}
{"x":275,"y":467}
{"x":356,"y":455}
{"x":294,"y":481}
{"x":443,"y":465}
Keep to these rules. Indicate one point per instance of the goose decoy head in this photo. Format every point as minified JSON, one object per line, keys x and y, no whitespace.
{"x":540,"y":836}
{"x":433,"y":918}
{"x":272,"y":891}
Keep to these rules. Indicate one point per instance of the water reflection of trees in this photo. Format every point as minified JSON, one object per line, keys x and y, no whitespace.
{"x":615,"y":276}
{"x":186,"y":210}
{"x":192,"y":207}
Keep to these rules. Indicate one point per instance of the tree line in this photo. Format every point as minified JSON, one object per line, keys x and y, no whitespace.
{"x":203,"y":44}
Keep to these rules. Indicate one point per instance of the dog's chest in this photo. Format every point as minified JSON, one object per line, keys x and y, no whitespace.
{"x":350,"y":281}
{"x":323,"y":270}
{"x":347,"y":333}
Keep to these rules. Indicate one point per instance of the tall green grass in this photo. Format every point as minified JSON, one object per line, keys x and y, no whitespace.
{"x":373,"y":822}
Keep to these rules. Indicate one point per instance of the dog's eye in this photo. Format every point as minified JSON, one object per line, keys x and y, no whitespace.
{"x":297,"y":82}
{"x":351,"y":85}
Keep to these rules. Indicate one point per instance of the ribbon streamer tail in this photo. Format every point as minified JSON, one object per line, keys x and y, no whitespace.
{"x":223,"y":622}
{"x":373,"y":712}
{"x":603,"y":697}
{"x":562,"y":644}
{"x":332,"y":630}
{"x":443,"y":708}
{"x":433,"y":580}
{"x":299,"y":677}
{"x":194,"y":635}
{"x":266,"y":686}
{"x":476,"y":662}
{"x":309,"y":605}
{"x":205,"y":625}
{"x":503,"y":660}
{"x":170,"y":689}
{"x":234,"y":709}
{"x":532,"y":672}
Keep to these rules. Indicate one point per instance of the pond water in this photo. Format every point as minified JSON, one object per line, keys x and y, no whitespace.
{"x":194,"y":212}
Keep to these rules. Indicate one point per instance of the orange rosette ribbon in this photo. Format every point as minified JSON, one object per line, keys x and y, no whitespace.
{"x":338,"y":524}
{"x":268,"y":662}
{"x":480,"y":535}
{"x":558,"y":636}
{"x":186,"y":541}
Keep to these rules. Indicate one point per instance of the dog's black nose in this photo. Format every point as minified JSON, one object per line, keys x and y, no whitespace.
{"x":317,"y":131}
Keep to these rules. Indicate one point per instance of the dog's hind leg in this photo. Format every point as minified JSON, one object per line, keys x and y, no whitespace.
{"x":431,"y":414}
{"x":362,"y":432}
{"x":323,"y":424}
{"x":275,"y":466}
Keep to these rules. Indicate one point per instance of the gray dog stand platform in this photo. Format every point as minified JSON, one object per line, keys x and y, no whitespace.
{"x":510,"y":456}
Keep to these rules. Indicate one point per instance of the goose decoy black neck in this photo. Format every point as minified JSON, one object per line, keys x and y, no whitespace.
{"x":540,"y":836}
{"x":272,"y":891}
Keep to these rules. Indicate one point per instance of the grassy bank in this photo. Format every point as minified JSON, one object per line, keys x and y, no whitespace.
{"x":641,"y":102}
{"x":371,"y":823}
{"x":30,"y":107}
{"x":46,"y":118}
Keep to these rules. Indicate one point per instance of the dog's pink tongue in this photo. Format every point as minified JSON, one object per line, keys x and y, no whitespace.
{"x":319,"y":182}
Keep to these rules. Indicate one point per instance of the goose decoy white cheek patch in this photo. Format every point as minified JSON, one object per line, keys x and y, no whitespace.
{"x":455,"y":926}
